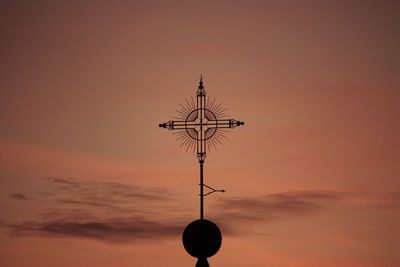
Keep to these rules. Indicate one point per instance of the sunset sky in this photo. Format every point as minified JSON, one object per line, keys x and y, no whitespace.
{"x":87,"y":178}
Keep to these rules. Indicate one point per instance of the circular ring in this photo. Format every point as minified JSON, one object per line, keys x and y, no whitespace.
{"x":193,"y":132}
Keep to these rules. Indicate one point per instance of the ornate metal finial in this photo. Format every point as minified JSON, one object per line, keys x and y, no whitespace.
{"x":200,"y":125}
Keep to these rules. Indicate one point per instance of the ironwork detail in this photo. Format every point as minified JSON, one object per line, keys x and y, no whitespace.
{"x":200,"y":125}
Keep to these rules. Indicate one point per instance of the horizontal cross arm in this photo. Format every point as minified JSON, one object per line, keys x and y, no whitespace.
{"x":182,"y":125}
{"x":178,"y":125}
{"x":226,"y":123}
{"x":173,"y":125}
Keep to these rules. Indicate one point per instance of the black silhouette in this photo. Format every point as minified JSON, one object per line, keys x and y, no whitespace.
{"x":200,"y":126}
{"x":202,"y":239}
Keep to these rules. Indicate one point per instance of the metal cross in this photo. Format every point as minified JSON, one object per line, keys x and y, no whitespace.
{"x":201,"y":124}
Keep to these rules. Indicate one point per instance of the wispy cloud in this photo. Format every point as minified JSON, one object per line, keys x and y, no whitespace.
{"x":108,"y":211}
{"x":98,"y":210}
{"x":107,"y":190}
{"x":281,"y":206}
{"x":110,"y":230}
{"x":233,"y":213}
{"x":290,"y":203}
{"x":18,"y":196}
{"x":106,"y":196}
{"x":115,"y":212}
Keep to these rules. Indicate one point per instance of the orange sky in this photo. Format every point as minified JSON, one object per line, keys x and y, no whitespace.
{"x":88,"y":179}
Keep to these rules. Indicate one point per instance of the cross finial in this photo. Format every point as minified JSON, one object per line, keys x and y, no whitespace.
{"x":200,"y":125}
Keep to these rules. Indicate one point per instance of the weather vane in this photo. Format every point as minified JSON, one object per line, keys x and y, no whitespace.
{"x":200,"y":125}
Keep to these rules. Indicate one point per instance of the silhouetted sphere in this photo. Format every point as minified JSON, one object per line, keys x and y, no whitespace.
{"x":202,"y":239}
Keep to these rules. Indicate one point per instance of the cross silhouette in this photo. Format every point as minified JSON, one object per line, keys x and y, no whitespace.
{"x":201,"y":124}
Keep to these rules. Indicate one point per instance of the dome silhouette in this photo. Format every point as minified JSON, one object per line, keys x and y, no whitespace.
{"x":202,"y":239}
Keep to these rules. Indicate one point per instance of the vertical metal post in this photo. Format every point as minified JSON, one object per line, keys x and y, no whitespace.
{"x":196,"y":123}
{"x":201,"y":189}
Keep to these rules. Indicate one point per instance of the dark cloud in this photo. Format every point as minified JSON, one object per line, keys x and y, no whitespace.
{"x":18,"y":196}
{"x":107,"y":190}
{"x":115,"y":212}
{"x":112,"y":212}
{"x":266,"y":208}
{"x":111,"y":230}
{"x":113,"y":197}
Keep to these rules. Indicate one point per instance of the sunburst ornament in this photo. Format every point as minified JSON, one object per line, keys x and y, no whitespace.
{"x":213,"y":112}
{"x":200,"y":125}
